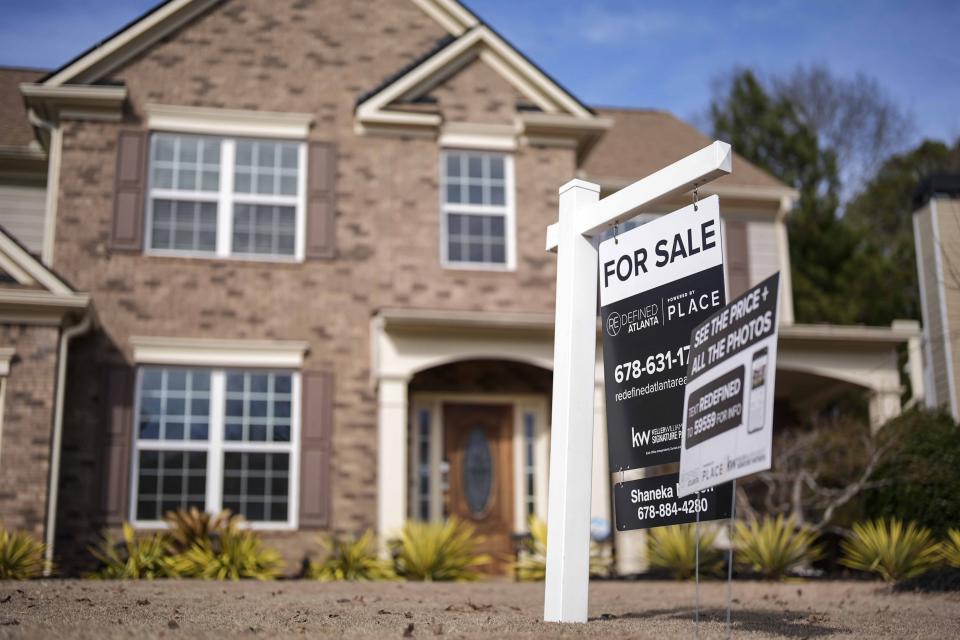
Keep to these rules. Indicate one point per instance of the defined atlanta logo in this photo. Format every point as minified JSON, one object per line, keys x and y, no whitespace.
{"x":634,"y":320}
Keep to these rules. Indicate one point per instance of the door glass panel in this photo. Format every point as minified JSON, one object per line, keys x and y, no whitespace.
{"x":477,"y":472}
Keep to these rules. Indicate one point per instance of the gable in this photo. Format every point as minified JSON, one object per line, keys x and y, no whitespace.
{"x":21,"y":268}
{"x":475,"y":93}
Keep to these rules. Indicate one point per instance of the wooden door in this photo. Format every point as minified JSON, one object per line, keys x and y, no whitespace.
{"x":478,"y":442}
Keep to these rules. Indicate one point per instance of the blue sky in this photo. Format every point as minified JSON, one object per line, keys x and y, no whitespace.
{"x":658,"y":54}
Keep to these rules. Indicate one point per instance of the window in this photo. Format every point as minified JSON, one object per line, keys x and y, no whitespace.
{"x":222,"y":197}
{"x":477,"y":196}
{"x":529,"y":463}
{"x":423,"y":465}
{"x":216,"y":439}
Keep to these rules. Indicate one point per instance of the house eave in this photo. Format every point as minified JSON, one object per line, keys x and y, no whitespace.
{"x":75,"y":102}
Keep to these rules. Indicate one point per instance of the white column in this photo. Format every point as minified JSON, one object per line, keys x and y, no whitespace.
{"x":600,"y":498}
{"x":391,"y":457}
{"x":884,"y":405}
{"x":571,"y":437}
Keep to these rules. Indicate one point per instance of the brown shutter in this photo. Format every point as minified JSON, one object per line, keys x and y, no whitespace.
{"x":315,"y":442}
{"x":115,"y":467}
{"x":321,"y":200}
{"x":126,"y":234}
{"x":738,"y":257}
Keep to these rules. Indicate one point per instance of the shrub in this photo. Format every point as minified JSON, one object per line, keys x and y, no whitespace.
{"x":133,"y":558}
{"x":350,"y":558}
{"x":950,"y":549}
{"x":190,"y":526}
{"x":918,"y":481}
{"x":438,"y":551}
{"x":21,"y":556}
{"x":774,"y":546}
{"x":890,"y":549}
{"x":674,"y":549}
{"x":235,"y":553}
{"x":531,"y":565}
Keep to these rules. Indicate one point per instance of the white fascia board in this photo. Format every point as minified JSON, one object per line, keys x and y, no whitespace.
{"x":488,"y":137}
{"x":6,"y":354}
{"x":28,"y":264}
{"x":544,"y":84}
{"x":449,"y":14}
{"x":278,"y":354}
{"x":35,"y":299}
{"x":501,"y":57}
{"x":419,"y":74}
{"x":130,"y":42}
{"x":240,"y":122}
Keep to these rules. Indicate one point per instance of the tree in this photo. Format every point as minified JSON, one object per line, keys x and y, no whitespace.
{"x":881,"y":216}
{"x":770,"y":131}
{"x":853,"y":117}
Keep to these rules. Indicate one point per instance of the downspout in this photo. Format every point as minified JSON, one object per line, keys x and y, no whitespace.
{"x":53,"y":490}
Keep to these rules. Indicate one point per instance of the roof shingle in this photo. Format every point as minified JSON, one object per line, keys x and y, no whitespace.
{"x":642,"y":141}
{"x":15,"y":130}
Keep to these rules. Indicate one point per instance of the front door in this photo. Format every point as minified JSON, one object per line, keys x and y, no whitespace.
{"x":478,"y":448}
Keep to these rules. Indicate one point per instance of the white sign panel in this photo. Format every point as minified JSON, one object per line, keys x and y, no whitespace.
{"x":657,"y":282}
{"x":728,"y":400}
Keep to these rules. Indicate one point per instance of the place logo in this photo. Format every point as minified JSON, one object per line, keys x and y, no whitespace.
{"x":633,"y":320}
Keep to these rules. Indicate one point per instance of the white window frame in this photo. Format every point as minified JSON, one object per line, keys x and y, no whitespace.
{"x":215,"y":446}
{"x":507,"y":210}
{"x":225,"y":199}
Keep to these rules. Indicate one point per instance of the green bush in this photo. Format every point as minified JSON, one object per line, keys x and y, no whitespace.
{"x":774,"y":546}
{"x":918,"y":479}
{"x":888,"y":548}
{"x":531,"y":565}
{"x":950,"y":549}
{"x":352,"y":558}
{"x":133,"y":558}
{"x":21,"y":556}
{"x":190,"y":526}
{"x":431,"y":551}
{"x":674,"y":549}
{"x":233,"y":554}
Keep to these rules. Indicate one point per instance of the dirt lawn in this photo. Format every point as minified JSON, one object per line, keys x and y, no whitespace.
{"x":174,"y":609}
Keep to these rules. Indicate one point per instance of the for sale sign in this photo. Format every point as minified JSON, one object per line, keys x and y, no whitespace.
{"x":728,"y":400}
{"x":656,"y":502}
{"x":657,"y":282}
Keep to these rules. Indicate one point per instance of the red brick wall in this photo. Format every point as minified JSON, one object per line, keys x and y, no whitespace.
{"x":27,"y":425}
{"x":313,"y":57}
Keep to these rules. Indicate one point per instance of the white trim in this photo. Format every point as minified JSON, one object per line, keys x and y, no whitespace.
{"x":947,"y":344}
{"x":34,"y":269}
{"x":215,"y":446}
{"x":931,"y":387}
{"x":449,"y":14}
{"x":3,"y":396}
{"x":226,"y":198}
{"x":52,"y":195}
{"x":6,"y":354}
{"x":520,"y":404}
{"x":211,"y":352}
{"x":507,"y":210}
{"x":481,"y":137}
{"x":480,"y":42}
{"x":228,"y":122}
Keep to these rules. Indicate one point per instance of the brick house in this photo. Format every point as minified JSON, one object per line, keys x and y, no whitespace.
{"x":287,"y":259}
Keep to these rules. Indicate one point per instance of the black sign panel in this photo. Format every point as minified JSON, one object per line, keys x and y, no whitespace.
{"x":653,"y":502}
{"x":717,"y":406}
{"x":646,"y":345}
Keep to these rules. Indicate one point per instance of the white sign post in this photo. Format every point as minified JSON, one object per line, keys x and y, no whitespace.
{"x":582,"y":217}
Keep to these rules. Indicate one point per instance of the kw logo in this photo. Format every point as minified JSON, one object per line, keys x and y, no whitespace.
{"x":639,"y":438}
